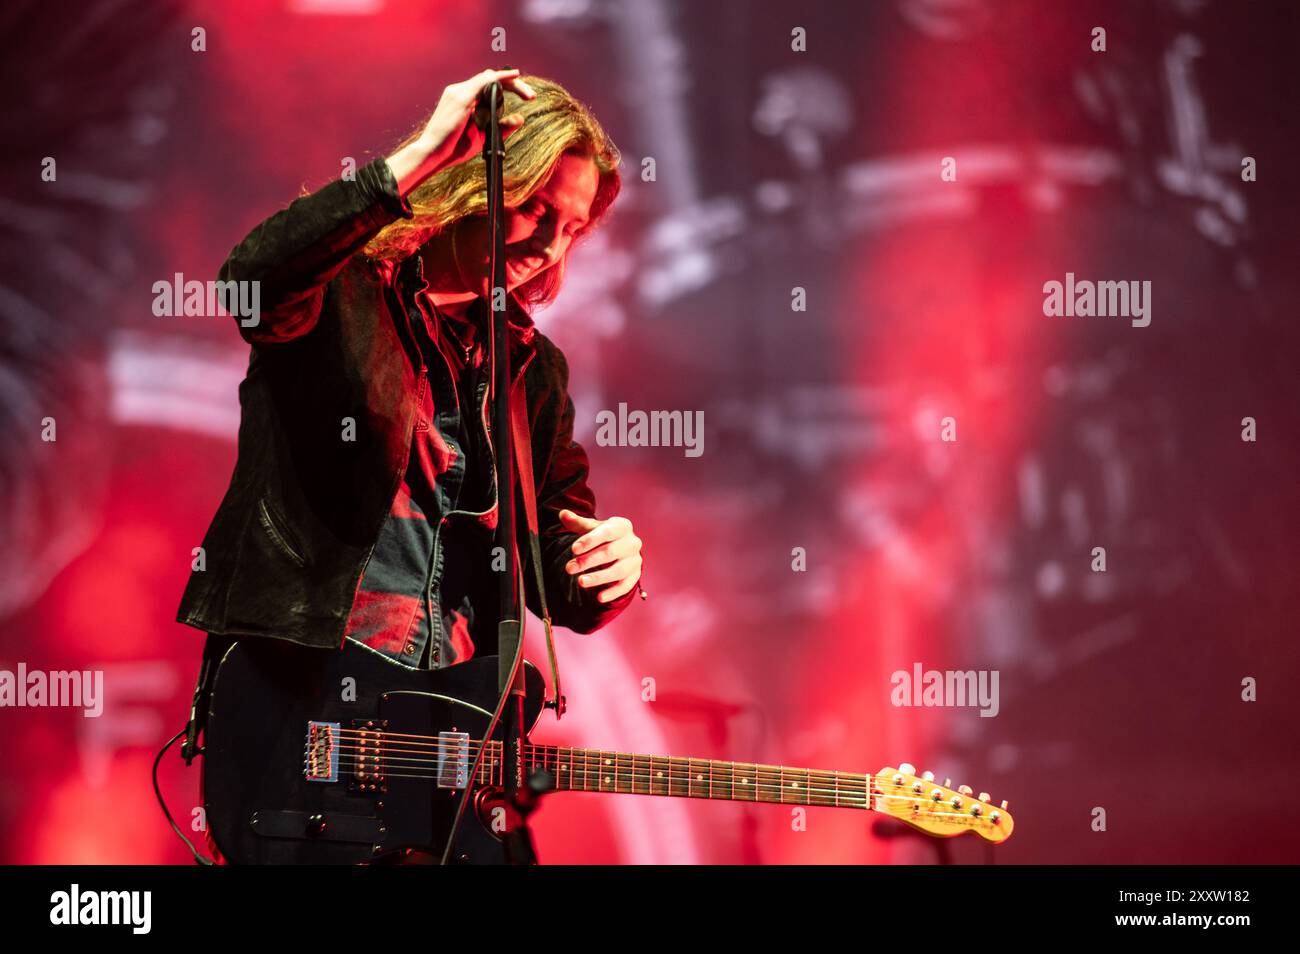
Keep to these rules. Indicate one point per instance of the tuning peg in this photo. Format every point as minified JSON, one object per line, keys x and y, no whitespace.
{"x":1004,"y":804}
{"x":907,"y":768}
{"x":984,"y":796}
{"x":928,"y":776}
{"x":965,"y":789}
{"x":947,"y":783}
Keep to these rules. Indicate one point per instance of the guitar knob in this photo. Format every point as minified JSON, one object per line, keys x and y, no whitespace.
{"x":907,"y":768}
{"x":984,"y":796}
{"x":937,"y":795}
{"x":316,"y":825}
{"x":1004,"y":803}
{"x":947,"y":783}
{"x":928,"y":776}
{"x":965,"y":789}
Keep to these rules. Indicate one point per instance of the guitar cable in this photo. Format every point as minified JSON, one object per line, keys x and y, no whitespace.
{"x":198,"y":858}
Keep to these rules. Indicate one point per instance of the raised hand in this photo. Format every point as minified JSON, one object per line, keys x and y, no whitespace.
{"x":449,"y":137}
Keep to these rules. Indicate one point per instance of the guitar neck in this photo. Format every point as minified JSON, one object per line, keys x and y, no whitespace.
{"x":595,"y":770}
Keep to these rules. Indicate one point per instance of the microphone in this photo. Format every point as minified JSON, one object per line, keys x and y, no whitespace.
{"x":483,"y":108}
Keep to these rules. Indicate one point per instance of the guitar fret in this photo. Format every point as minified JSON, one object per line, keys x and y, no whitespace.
{"x":746,"y":789}
{"x":821,"y":790}
{"x":660,"y":773}
{"x":623,"y":772}
{"x":605,"y":773}
{"x":679,"y":777}
{"x":720,"y":781}
{"x":696,"y":787}
{"x":767,"y":781}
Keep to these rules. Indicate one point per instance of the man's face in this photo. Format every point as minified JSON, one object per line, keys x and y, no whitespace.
{"x":538,"y":232}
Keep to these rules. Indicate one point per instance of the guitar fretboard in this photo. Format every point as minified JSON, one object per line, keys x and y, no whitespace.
{"x":594,"y":770}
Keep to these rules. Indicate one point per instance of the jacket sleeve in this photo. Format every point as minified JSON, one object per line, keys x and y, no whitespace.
{"x":295,"y":253}
{"x":565,"y":487}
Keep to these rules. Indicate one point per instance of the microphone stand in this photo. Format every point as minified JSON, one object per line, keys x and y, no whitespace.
{"x":510,"y":674}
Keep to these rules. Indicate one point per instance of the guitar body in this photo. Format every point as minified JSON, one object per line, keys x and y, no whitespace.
{"x":332,"y":757}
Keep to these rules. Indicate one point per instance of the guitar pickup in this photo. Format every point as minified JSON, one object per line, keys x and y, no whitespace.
{"x":367,"y":737}
{"x":453,"y":759}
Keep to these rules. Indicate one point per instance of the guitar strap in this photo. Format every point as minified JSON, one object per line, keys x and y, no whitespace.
{"x":524,"y":464}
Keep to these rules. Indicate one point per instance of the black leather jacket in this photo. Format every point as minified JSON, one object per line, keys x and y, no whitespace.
{"x":297,"y":526}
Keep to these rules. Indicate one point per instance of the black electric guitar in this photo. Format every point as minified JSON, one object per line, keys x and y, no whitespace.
{"x":324,"y":757}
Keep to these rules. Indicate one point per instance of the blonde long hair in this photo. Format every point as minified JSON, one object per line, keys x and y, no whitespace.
{"x":555,"y":123}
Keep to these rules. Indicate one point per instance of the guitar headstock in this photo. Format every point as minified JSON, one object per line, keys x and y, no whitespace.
{"x":936,"y":809}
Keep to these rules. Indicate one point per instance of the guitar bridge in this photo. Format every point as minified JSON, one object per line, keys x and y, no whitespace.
{"x":322,"y":756}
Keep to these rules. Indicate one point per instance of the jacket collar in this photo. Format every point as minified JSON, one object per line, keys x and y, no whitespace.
{"x":408,"y":277}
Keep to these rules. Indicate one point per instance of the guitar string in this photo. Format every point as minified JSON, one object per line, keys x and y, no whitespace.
{"x":852,"y":803}
{"x":618,"y":764}
{"x":826,"y":792}
{"x":635,"y":766}
{"x":846,"y":781}
{"x":769,"y":784}
{"x":768,"y":780}
{"x":851,"y":798}
{"x":846,"y":784}
{"x":821,"y":791}
{"x":469,"y":749}
{"x":381,"y":737}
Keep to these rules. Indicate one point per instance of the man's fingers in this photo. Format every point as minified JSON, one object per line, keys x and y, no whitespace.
{"x":522,"y":88}
{"x":576,"y":522}
{"x":511,"y":124}
{"x":601,"y":554}
{"x":593,"y":538}
{"x":605,"y":530}
{"x":616,"y":571}
{"x":612,"y":592}
{"x":508,"y":79}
